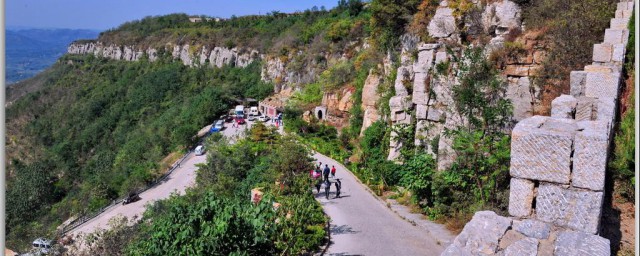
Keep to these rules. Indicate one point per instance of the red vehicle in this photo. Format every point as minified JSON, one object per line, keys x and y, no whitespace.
{"x":240,"y":120}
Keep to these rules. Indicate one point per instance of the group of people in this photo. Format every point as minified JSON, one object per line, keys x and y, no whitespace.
{"x":319,"y":171}
{"x":324,"y":173}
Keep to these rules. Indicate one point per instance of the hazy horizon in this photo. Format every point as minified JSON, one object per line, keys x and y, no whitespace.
{"x":101,"y":15}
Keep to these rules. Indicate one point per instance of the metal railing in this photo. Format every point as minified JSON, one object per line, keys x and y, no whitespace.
{"x":87,"y":217}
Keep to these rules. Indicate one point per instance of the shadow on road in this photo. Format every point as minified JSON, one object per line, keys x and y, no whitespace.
{"x":342,"y":229}
{"x":344,"y":254}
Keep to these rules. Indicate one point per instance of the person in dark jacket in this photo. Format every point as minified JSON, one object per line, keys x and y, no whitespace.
{"x":325,"y":172}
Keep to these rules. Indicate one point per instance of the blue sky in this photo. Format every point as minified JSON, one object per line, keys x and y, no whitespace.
{"x":105,"y":14}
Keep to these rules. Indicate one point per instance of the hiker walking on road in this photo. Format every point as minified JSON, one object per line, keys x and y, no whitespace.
{"x":333,"y":171}
{"x":325,"y":172}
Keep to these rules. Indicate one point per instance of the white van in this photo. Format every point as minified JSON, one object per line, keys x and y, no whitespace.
{"x":240,"y":111}
{"x":199,"y":150}
{"x":253,"y":111}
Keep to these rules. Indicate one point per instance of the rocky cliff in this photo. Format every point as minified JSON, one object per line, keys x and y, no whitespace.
{"x":422,"y":96}
{"x":188,"y":55}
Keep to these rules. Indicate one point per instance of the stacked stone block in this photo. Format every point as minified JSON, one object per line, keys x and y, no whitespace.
{"x":558,"y":164}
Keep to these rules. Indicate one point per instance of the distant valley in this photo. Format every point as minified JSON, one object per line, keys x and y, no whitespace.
{"x":30,"y":51}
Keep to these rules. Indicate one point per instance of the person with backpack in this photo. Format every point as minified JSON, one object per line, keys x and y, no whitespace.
{"x":333,"y":171}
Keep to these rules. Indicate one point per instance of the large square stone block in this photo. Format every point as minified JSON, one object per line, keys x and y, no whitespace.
{"x":616,"y":36}
{"x":618,"y":53}
{"x":586,"y":109}
{"x":564,"y":106}
{"x":590,"y":156}
{"x":577,"y":80}
{"x":575,"y":209}
{"x":520,"y":197}
{"x":542,"y":150}
{"x":602,"y":84}
{"x":602,"y":52}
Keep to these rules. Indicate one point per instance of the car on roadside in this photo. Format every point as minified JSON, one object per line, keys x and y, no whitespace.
{"x":240,"y":120}
{"x":227,"y":118}
{"x":132,"y":197}
{"x":251,"y":118}
{"x":217,"y":126}
{"x":200,"y":150}
{"x":42,"y":246}
{"x":263,"y":118}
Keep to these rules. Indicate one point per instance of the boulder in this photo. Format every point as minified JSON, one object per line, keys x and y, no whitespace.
{"x":524,"y":247}
{"x":533,"y":228}
{"x":481,"y":236}
{"x":571,"y":243}
{"x":501,"y":16}
{"x":443,"y":24}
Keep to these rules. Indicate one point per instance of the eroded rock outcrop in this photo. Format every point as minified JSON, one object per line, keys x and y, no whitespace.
{"x":189,"y":55}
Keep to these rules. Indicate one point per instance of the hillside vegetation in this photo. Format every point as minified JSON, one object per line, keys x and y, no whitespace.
{"x":99,"y":129}
{"x":95,"y":129}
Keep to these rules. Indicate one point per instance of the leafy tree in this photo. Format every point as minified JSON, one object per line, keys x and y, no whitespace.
{"x":482,"y":149}
{"x":388,"y":20}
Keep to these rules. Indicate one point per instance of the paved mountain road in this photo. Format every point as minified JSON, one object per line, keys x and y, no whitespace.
{"x":363,"y":225}
{"x":360,"y":223}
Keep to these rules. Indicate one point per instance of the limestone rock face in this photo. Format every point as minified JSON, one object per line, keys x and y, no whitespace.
{"x":346,"y":102}
{"x":443,"y":23}
{"x":369,"y":99}
{"x":519,"y":92}
{"x":500,"y":17}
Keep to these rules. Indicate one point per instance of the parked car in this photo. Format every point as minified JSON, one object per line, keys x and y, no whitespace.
{"x":240,"y":120}
{"x":251,"y":118}
{"x":263,"y":118}
{"x":132,"y":197}
{"x":42,"y":245}
{"x":217,"y":126}
{"x":200,"y":150}
{"x":226,"y":118}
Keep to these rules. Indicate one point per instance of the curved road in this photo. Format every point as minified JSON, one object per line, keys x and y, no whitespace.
{"x":360,"y":223}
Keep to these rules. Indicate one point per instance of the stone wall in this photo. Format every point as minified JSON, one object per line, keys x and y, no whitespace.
{"x":558,"y":166}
